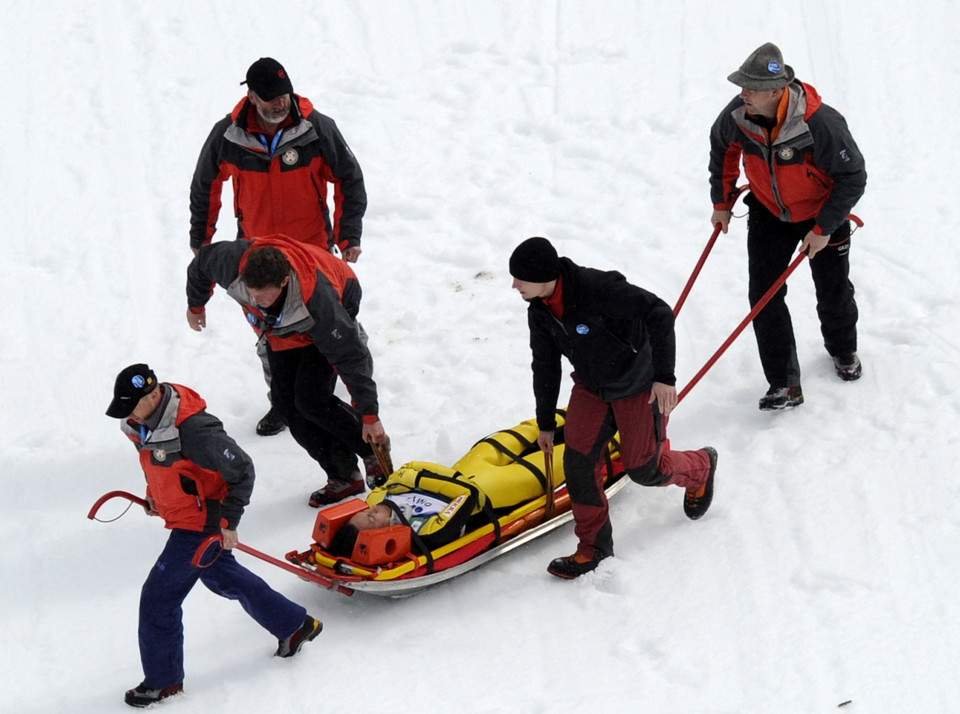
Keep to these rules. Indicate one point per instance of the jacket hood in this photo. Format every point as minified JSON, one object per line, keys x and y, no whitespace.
{"x":813,"y":100}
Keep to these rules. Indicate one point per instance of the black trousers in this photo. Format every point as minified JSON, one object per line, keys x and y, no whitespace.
{"x":771,"y":247}
{"x":302,"y":383}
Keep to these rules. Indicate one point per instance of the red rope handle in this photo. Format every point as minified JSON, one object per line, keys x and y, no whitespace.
{"x":767,"y":297}
{"x":114,"y":494}
{"x":746,"y":321}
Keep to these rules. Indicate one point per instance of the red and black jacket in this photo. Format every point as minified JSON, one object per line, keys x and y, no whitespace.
{"x":805,"y":167}
{"x":320,"y":306}
{"x":281,"y":188}
{"x":197,"y":476}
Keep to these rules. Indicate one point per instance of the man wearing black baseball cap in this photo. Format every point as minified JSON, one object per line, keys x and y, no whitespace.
{"x":285,"y":158}
{"x":268,"y":79}
{"x":199,"y":481}
{"x":806,"y":173}
{"x":620,"y":340}
{"x":132,"y":384}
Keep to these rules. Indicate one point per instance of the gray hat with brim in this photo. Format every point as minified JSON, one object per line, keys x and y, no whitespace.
{"x":763,"y":70}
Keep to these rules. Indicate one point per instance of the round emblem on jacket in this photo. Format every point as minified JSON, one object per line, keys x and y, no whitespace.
{"x":583,"y":329}
{"x":160,"y":454}
{"x":251,"y":318}
{"x":291,"y":156}
{"x":786,"y":153}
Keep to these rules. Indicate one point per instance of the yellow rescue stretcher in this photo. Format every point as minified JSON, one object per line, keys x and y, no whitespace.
{"x":497,"y":498}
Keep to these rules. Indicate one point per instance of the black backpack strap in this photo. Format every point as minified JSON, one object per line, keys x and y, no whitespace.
{"x":414,"y":536}
{"x":482,"y":501}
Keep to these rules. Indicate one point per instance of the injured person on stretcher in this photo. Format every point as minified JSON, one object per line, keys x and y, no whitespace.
{"x":425,"y":506}
{"x":411,"y":509}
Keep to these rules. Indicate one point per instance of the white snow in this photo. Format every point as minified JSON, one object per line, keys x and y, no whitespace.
{"x":826,"y":571}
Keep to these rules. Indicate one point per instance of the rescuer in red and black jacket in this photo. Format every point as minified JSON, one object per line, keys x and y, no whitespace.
{"x":303,"y":302}
{"x":282,"y":156}
{"x":806,"y":173}
{"x":199,"y":481}
{"x":620,"y":340}
{"x":197,"y":477}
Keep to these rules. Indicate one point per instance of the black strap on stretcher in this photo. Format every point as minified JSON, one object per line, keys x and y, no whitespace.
{"x":517,"y":458}
{"x":414,"y":536}
{"x":483,"y":503}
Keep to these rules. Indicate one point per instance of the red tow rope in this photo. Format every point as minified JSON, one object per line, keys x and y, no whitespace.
{"x":767,"y":297}
{"x":198,"y":559}
{"x":703,"y":257}
{"x":746,"y":321}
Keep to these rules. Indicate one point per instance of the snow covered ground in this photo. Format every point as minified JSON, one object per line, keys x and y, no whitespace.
{"x":826,"y":571}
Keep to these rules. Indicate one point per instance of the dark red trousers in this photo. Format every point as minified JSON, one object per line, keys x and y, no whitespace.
{"x":591,"y":423}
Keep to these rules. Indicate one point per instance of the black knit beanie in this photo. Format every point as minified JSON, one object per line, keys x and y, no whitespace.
{"x":535,"y":261}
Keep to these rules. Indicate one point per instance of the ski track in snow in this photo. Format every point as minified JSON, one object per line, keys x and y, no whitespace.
{"x":825,"y":570}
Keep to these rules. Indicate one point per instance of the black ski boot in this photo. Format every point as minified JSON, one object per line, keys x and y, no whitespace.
{"x":573,"y":566}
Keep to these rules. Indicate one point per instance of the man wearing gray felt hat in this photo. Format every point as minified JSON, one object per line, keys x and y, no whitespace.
{"x":806,"y":174}
{"x":763,"y":70}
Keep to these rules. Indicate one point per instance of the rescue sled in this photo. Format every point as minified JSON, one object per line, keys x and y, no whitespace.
{"x":502,"y":494}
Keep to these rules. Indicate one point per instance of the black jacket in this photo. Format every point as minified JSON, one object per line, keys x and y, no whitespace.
{"x":618,"y":337}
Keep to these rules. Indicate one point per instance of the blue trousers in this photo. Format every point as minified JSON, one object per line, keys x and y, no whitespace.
{"x":169,"y":582}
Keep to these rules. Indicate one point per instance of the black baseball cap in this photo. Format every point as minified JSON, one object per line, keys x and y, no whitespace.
{"x":268,"y":79}
{"x":132,"y":384}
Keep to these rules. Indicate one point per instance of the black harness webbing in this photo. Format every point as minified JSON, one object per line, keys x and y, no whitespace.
{"x":517,"y":458}
{"x":414,"y":536}
{"x":482,"y":501}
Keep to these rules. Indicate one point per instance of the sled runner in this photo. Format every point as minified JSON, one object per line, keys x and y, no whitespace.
{"x":493,"y":500}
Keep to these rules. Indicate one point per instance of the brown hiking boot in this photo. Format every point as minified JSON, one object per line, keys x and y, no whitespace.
{"x":697,"y":501}
{"x":337,"y":491}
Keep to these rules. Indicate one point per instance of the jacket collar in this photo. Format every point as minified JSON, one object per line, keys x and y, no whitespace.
{"x":160,"y":431}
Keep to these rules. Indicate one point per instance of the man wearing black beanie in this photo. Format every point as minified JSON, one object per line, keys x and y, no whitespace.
{"x":620,"y":340}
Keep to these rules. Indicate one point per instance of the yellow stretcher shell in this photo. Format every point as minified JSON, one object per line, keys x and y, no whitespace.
{"x":508,"y":470}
